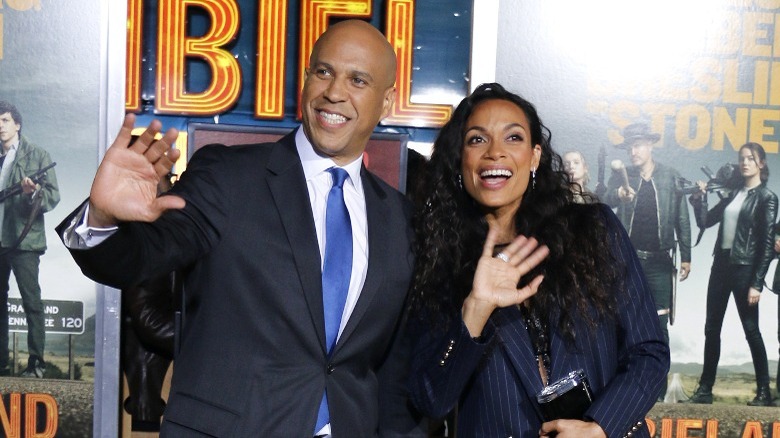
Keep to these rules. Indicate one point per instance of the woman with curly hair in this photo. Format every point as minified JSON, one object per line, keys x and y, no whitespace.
{"x":517,"y":285}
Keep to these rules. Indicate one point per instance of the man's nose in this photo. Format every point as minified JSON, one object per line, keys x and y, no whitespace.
{"x":336,"y":91}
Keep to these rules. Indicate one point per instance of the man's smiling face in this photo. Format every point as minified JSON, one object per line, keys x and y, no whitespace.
{"x":348,"y":90}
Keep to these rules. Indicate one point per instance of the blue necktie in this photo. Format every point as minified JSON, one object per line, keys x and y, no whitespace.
{"x":336,"y":270}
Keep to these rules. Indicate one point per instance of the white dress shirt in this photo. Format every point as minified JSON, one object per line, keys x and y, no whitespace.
{"x":319,"y":182}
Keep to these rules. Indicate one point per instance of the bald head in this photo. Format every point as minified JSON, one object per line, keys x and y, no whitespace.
{"x":366,"y":35}
{"x":349,"y":88}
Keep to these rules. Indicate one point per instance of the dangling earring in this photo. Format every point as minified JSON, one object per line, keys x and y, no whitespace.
{"x":460,"y":181}
{"x":533,"y":178}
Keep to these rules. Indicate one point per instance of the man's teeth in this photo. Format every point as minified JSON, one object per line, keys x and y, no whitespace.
{"x":333,"y":118}
{"x":495,"y":173}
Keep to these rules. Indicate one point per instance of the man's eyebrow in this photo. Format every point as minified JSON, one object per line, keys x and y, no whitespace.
{"x":355,"y":73}
{"x":321,"y":64}
{"x":362,"y":74}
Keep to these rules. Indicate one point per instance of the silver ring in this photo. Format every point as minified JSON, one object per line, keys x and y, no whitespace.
{"x":503,"y":257}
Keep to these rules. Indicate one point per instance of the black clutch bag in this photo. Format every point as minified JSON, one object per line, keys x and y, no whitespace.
{"x":567,"y":398}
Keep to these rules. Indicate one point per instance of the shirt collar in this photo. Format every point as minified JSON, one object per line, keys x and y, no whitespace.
{"x":13,"y":147}
{"x":314,"y":164}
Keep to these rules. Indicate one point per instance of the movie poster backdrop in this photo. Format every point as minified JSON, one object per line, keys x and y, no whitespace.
{"x":236,"y":64}
{"x":705,"y":76}
{"x":50,"y":69}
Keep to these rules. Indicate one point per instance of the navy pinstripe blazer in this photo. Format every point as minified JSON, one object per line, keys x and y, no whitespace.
{"x":494,"y":381}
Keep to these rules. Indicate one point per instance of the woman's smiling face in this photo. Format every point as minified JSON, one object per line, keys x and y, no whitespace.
{"x":498,"y":156}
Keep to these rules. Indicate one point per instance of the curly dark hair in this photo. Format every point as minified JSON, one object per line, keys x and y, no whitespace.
{"x":580,"y":272}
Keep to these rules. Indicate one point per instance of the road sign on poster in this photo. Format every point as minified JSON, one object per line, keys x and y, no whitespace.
{"x":61,"y":317}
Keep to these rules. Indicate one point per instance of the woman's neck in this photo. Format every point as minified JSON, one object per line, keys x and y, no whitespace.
{"x":753,"y":181}
{"x":505,"y":225}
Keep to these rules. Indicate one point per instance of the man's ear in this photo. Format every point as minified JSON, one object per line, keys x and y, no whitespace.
{"x":387,"y":105}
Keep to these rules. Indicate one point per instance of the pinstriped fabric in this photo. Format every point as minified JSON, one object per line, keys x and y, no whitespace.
{"x":495,"y":382}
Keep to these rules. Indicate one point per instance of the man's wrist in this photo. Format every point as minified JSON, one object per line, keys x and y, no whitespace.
{"x":95,"y":219}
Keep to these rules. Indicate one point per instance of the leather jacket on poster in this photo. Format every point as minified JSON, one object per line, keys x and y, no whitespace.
{"x":754,"y":236}
{"x":672,"y":210}
{"x":776,"y":281}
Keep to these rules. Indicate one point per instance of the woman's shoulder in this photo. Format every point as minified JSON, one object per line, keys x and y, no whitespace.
{"x":593,"y":220}
{"x":765,"y":191}
{"x":594,"y":210}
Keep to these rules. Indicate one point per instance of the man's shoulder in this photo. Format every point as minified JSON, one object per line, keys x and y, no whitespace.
{"x":665,"y":169}
{"x":397,"y":200}
{"x":237,"y":152}
{"x":31,"y":150}
{"x":27,"y":145}
{"x":380,"y":184}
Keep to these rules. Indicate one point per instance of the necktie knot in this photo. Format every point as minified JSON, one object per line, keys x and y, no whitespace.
{"x":339,"y":176}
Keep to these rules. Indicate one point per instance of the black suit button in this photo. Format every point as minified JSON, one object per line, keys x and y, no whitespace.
{"x":331,"y":368}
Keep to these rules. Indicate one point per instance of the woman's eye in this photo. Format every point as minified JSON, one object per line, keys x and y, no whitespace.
{"x":475,"y":139}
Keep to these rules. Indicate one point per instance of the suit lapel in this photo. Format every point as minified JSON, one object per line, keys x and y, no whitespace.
{"x":377,"y":213}
{"x":291,"y":198}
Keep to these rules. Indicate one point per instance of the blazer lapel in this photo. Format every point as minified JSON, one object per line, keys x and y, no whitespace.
{"x":291,"y":198}
{"x":377,"y":213}
{"x":516,"y":344}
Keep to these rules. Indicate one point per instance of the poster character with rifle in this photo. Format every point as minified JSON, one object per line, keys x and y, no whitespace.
{"x":743,"y":251}
{"x":29,"y":189}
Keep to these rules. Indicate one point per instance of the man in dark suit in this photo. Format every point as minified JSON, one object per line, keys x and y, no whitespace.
{"x":249,"y":226}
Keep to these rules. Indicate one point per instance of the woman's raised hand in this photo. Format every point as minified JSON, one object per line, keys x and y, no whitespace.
{"x":496,"y":279}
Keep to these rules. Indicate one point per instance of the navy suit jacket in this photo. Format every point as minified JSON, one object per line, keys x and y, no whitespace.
{"x":253,"y":360}
{"x":494,"y":381}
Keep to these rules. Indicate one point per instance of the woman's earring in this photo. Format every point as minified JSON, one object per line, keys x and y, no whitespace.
{"x":460,"y":181}
{"x":533,"y":178}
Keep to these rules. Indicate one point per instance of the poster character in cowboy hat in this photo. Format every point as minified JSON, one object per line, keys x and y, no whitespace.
{"x":655,"y":215}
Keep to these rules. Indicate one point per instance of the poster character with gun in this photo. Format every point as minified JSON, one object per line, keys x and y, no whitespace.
{"x":743,"y":251}
{"x":29,"y":189}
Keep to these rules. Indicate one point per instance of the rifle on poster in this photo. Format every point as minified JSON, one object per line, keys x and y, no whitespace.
{"x":601,"y":188}
{"x":722,"y":183}
{"x":16,"y":188}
